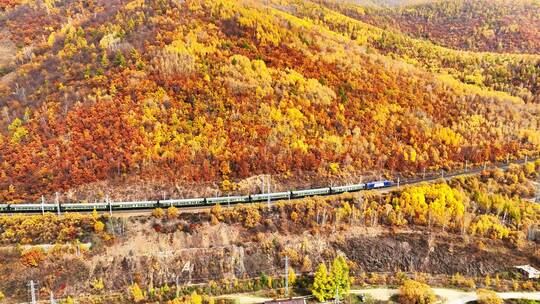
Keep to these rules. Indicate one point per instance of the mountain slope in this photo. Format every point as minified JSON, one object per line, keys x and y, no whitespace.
{"x":476,"y":25}
{"x":516,"y":74}
{"x":162,"y":94}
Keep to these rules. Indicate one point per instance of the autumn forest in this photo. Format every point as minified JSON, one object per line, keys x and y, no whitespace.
{"x":96,"y":92}
{"x":409,"y":130}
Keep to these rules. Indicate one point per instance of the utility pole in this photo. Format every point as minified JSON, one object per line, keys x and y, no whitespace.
{"x":42,"y":205}
{"x":336,"y":300}
{"x":268,"y":192}
{"x":53,"y":301}
{"x":424,"y":173}
{"x":286,"y":276}
{"x":32,"y":292}
{"x":398,"y":182}
{"x":531,"y":232}
{"x":109,"y":203}
{"x":57,"y":202}
{"x":538,"y":191}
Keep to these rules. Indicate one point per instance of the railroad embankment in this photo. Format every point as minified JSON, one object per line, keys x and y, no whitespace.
{"x":453,"y":233}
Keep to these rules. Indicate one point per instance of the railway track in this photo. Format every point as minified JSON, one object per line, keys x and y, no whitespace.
{"x":127,"y":209}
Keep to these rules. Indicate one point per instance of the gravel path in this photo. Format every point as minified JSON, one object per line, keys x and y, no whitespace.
{"x":449,"y":296}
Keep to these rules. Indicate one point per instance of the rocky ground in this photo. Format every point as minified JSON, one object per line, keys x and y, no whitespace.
{"x":199,"y":253}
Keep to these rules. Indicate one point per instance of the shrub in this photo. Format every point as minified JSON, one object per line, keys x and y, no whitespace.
{"x":173,"y":212}
{"x":136,"y":293}
{"x":214,"y":220}
{"x":292,"y":276}
{"x":413,"y":292}
{"x":293,"y":255}
{"x":488,"y":225}
{"x":497,"y":281}
{"x":48,"y":228}
{"x":294,"y":216}
{"x":216,"y":211}
{"x":488,"y":297}
{"x":95,"y":214}
{"x":158,"y":213}
{"x":99,"y":226}
{"x":252,"y":217}
{"x":487,"y":281}
{"x":195,"y":298}
{"x":306,"y":264}
{"x":528,"y":285}
{"x":97,"y":284}
{"x":32,"y":257}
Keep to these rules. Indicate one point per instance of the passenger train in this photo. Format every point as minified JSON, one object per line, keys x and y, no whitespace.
{"x":189,"y":202}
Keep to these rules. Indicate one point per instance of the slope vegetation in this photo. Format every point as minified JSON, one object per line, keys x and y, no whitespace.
{"x":165,"y":93}
{"x":467,"y":233}
{"x":476,"y":25}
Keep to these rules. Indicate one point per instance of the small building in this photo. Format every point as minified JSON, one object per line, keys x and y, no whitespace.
{"x":288,"y":301}
{"x":529,"y":271}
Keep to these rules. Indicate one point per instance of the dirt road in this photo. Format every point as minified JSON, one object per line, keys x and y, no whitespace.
{"x":449,"y":296}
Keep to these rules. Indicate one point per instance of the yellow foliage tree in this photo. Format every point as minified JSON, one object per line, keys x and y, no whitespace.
{"x":321,"y":285}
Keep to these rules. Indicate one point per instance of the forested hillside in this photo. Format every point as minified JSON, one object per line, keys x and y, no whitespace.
{"x":175,"y":92}
{"x":477,"y":25}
